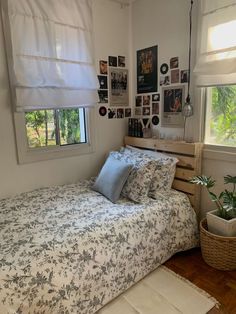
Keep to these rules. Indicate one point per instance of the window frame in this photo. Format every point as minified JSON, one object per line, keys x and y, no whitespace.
{"x":26,"y":154}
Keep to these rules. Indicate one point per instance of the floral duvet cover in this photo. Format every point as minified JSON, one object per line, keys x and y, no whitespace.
{"x":68,"y":249}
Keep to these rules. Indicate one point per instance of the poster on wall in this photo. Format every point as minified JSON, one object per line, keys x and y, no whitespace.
{"x":118,"y":84}
{"x":173,"y":98}
{"x":147,"y":70}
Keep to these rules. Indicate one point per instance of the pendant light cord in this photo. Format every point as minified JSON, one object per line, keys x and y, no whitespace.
{"x":190,"y":49}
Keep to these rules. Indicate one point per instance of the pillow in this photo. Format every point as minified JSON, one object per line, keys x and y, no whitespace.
{"x":164,"y":174}
{"x":148,"y":152}
{"x":152,"y":153}
{"x":137,"y":185}
{"x":112,"y":178}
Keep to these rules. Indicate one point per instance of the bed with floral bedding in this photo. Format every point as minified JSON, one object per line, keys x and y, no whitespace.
{"x":68,"y":249}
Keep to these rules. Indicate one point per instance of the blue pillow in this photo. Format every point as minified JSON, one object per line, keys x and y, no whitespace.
{"x":112,"y":178}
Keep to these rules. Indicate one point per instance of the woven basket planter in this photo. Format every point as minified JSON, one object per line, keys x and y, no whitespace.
{"x":217,"y":251}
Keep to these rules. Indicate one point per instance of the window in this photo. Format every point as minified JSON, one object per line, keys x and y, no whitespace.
{"x":54,"y":133}
{"x":55,"y":127}
{"x":220,"y":124}
{"x":51,"y":69}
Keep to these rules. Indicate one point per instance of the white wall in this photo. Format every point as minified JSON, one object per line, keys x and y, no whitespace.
{"x":111,"y":38}
{"x":166,"y":23}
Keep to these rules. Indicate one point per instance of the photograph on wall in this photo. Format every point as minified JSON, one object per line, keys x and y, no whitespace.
{"x":174,"y":76}
{"x":111,"y":113}
{"x":138,"y":111}
{"x":164,"y":80}
{"x":102,"y":81}
{"x":156,"y":97}
{"x":121,"y":61}
{"x":118,"y":87}
{"x":138,"y":101}
{"x":120,"y":113}
{"x":146,"y":100}
{"x":103,"y":96}
{"x":155,"y":108}
{"x":127,"y":112}
{"x":146,"y":111}
{"x":103,"y":67}
{"x":174,"y":63}
{"x":112,"y":61}
{"x":147,"y":70}
{"x":173,"y":99}
{"x":184,"y":76}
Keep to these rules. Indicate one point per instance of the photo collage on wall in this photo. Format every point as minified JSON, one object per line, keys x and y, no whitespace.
{"x":173,"y":93}
{"x":149,"y":103}
{"x":113,"y":88}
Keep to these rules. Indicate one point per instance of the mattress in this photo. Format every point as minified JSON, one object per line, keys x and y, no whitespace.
{"x":67,"y":249}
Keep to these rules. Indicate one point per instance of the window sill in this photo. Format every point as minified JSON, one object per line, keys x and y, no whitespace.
{"x":42,"y":154}
{"x":222,"y":153}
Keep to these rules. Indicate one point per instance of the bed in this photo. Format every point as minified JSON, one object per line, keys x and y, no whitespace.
{"x":68,"y":249}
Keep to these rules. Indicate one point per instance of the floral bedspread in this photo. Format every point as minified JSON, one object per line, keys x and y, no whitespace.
{"x":67,"y":249}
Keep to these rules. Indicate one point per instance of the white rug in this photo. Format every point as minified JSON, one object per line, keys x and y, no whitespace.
{"x":161,"y":292}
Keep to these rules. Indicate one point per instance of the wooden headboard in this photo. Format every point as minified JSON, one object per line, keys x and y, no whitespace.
{"x":189,"y":165}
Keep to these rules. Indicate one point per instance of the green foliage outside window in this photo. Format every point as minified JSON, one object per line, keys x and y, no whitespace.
{"x":223,"y":115}
{"x":53,"y":127}
{"x":69,"y":126}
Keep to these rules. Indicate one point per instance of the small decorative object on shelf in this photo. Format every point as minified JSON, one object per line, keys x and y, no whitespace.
{"x":146,"y":128}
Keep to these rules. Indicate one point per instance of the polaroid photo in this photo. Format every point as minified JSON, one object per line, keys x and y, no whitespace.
{"x":174,"y":62}
{"x":102,"y":81}
{"x":146,"y":100}
{"x":112,"y":61}
{"x":103,"y":67}
{"x":121,"y":61}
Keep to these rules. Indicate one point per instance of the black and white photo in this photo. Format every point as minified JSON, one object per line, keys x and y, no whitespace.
{"x":118,"y":87}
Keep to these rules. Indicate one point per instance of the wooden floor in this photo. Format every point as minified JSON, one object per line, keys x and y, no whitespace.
{"x":220,"y":284}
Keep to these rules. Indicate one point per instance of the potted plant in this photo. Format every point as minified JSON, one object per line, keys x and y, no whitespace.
{"x":221,"y":221}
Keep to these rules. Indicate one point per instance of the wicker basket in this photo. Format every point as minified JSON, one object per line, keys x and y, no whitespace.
{"x":217,"y":251}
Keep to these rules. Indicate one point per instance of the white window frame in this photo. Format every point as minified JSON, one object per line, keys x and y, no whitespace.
{"x":29,"y":155}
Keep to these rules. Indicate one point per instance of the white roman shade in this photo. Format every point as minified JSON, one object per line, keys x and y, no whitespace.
{"x":216,"y":62}
{"x":51,"y":53}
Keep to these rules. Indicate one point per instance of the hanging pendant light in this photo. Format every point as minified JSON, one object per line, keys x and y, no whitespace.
{"x":187,"y":110}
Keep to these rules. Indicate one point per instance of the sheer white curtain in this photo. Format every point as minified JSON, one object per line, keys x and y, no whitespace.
{"x":52,"y":62}
{"x":216,"y":63}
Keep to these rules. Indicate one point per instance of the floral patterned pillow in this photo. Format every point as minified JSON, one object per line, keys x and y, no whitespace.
{"x":163,"y":177}
{"x":164,"y":173}
{"x":138,"y":183}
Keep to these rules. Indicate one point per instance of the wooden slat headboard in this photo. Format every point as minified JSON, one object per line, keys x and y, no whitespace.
{"x":189,"y":165}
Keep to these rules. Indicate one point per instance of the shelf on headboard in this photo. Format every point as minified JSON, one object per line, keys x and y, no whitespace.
{"x":189,"y":165}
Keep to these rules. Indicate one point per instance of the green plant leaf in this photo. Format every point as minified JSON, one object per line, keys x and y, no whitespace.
{"x":213,"y":197}
{"x":230,"y":179}
{"x":208,"y":182}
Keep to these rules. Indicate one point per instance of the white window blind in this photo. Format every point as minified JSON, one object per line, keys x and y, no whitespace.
{"x":216,"y":63}
{"x":51,"y":53}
